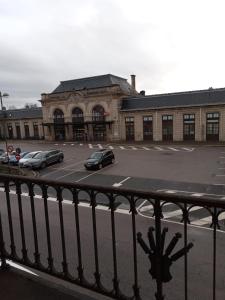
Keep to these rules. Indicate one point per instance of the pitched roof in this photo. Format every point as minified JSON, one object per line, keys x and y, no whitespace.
{"x":181,"y":99}
{"x":23,"y":113}
{"x":92,"y":83}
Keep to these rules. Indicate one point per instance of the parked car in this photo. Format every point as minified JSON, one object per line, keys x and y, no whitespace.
{"x":4,"y":158}
{"x":99,"y":159}
{"x":15,"y":158}
{"x":23,"y":161}
{"x":2,"y":151}
{"x":44,"y":158}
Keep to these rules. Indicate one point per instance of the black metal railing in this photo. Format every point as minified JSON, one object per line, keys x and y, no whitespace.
{"x":79,"y":233}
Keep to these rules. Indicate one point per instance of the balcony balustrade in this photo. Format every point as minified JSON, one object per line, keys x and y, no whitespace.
{"x":58,"y":228}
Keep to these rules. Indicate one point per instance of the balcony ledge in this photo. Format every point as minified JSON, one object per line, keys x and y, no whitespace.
{"x":19,"y":284}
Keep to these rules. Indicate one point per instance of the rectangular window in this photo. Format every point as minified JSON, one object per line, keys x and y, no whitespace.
{"x":26,"y":130}
{"x":10,"y":130}
{"x":147,"y":128}
{"x":212,"y":126}
{"x":189,"y":127}
{"x":129,"y":124}
{"x":167,"y":127}
{"x":35,"y":126}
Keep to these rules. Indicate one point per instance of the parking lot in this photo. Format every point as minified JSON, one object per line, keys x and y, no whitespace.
{"x":170,"y":169}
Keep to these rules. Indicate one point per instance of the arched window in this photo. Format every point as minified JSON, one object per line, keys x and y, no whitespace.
{"x":98,"y":113}
{"x":58,"y":116}
{"x":77,"y":115}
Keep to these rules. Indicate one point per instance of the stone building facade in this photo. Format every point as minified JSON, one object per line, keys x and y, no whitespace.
{"x":26,"y":123}
{"x":107,"y":108}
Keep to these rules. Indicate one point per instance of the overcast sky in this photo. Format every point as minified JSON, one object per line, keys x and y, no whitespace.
{"x":171,"y":45}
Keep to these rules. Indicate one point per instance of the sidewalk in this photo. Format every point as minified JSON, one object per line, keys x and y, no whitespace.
{"x":19,"y":285}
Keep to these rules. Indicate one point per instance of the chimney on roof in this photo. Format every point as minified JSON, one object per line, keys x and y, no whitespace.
{"x":133,"y":84}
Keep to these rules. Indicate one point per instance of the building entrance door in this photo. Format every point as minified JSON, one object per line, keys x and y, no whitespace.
{"x":99,"y":132}
{"x":167,"y":128}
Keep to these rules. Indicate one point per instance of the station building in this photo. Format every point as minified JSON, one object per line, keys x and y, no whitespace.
{"x":108,"y":108}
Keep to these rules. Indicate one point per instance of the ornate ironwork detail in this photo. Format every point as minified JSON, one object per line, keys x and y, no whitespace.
{"x":166,"y":259}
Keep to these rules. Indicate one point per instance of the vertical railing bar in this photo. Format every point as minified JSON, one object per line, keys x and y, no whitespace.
{"x":64,"y":262}
{"x":215,"y":220}
{"x":158,"y":215}
{"x":185,"y":216}
{"x":34,"y":223}
{"x":22,"y":231}
{"x":4,"y":265}
{"x":97,"y":274}
{"x":115,"y":279}
{"x":133,"y":213}
{"x":50,"y":258}
{"x":8,"y":203}
{"x":77,"y":222}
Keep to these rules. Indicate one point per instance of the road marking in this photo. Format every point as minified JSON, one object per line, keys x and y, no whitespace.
{"x":55,"y":171}
{"x":197,"y":194}
{"x":158,"y":148}
{"x":64,"y":144}
{"x":111,"y":147}
{"x":174,"y":149}
{"x":170,"y":192}
{"x":145,"y":148}
{"x":133,"y":148}
{"x":81,"y":144}
{"x":56,"y":144}
{"x":188,"y":149}
{"x":122,"y":148}
{"x":94,"y":172}
{"x":192,"y":193}
{"x":178,"y":212}
{"x":90,"y":146}
{"x":71,"y":144}
{"x":121,"y":182}
{"x":139,"y":207}
{"x":99,"y":146}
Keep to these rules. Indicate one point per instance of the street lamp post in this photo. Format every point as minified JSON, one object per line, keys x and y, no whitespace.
{"x":4,"y":95}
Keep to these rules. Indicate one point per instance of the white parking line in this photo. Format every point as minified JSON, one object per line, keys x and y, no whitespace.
{"x":90,"y":146}
{"x":145,"y":148}
{"x":173,"y":149}
{"x":133,"y":148}
{"x":122,"y":148}
{"x":93,"y":173}
{"x":111,"y":147}
{"x":188,"y":149}
{"x":55,"y":171}
{"x":159,"y":148}
{"x":99,"y":146}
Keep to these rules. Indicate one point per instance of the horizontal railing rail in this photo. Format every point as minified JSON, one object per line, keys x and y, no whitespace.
{"x":103,"y":248}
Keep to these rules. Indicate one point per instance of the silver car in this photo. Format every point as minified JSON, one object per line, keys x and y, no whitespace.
{"x":45,"y":158}
{"x":23,"y":163}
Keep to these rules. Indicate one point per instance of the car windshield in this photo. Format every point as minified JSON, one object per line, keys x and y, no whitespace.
{"x":96,"y":155}
{"x":30,"y":155}
{"x":40,"y":155}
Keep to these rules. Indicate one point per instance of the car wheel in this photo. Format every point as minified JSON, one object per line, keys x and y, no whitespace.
{"x":60,"y":159}
{"x":43,"y":165}
{"x":100,"y":166}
